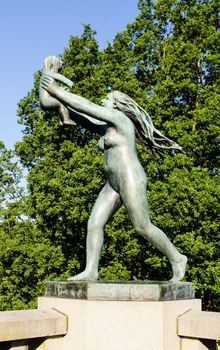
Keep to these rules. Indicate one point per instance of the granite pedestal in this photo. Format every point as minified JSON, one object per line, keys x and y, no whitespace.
{"x":119,"y":315}
{"x":120,"y":290}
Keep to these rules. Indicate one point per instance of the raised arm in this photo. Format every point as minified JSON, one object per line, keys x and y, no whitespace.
{"x":87,"y":122}
{"x":81,"y":104}
{"x":59,"y":77}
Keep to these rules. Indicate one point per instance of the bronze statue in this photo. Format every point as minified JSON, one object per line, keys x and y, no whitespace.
{"x":121,"y":123}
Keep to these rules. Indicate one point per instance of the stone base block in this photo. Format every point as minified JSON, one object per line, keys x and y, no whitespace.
{"x":118,"y":325}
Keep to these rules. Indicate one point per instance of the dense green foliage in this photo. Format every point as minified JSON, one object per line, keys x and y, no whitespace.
{"x":26,"y":257}
{"x":167,"y":60}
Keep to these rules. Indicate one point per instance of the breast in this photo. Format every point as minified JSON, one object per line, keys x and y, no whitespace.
{"x":111,"y":138}
{"x":109,"y":142}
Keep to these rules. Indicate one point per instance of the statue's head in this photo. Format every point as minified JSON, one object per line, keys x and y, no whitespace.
{"x":52,"y":63}
{"x":117,"y":100}
{"x":124,"y":103}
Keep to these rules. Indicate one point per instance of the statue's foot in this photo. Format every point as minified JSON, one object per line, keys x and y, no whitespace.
{"x":179,"y":269}
{"x":69,"y":122}
{"x":85,"y":276}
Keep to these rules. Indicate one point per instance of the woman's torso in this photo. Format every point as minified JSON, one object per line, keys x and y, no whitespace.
{"x":121,"y":163}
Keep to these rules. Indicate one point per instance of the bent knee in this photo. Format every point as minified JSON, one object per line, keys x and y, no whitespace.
{"x":144,"y":228}
{"x":94,"y":225}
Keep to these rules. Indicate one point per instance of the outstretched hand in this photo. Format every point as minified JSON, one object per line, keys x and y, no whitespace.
{"x":47,"y":83}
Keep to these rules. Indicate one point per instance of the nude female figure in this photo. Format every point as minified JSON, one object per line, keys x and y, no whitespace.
{"x":122,"y":121}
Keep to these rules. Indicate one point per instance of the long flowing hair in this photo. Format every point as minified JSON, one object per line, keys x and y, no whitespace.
{"x":146,"y":133}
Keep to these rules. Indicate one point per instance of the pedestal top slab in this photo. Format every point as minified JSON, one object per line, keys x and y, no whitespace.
{"x":120,"y":290}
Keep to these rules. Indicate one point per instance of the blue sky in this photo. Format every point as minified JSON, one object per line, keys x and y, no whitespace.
{"x":32,"y":30}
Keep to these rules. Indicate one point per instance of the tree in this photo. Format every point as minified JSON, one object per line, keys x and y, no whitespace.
{"x":10,"y":176}
{"x":26,"y":258}
{"x":167,"y":60}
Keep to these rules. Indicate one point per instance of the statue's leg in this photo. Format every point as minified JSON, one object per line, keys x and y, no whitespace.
{"x":65,"y":116}
{"x":106,"y":205}
{"x":134,"y":197}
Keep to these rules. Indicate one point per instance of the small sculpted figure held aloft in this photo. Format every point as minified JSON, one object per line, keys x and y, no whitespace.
{"x":52,"y":65}
{"x":121,"y":122}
